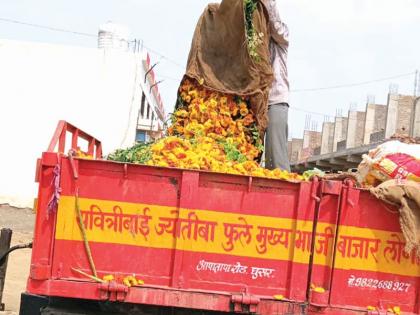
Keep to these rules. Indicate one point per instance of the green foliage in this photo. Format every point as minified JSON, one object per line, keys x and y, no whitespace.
{"x":139,"y":153}
{"x":237,"y":99}
{"x":232,"y":152}
{"x":256,"y":137}
{"x":254,"y":39}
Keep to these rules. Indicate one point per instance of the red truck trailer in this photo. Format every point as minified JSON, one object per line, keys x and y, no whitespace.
{"x":207,"y":243}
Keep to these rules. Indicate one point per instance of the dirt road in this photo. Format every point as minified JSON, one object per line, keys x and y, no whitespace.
{"x":21,"y":221}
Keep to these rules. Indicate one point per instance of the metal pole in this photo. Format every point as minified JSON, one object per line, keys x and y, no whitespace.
{"x":155,"y":85}
{"x":148,"y":71}
{"x":5,"y":239}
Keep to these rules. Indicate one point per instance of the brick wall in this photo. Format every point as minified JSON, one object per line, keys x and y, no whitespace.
{"x":312,"y":139}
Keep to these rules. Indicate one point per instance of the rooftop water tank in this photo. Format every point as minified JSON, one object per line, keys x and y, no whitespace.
{"x":113,"y":36}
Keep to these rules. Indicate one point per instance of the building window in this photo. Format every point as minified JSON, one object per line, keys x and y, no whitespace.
{"x":143,"y":100}
{"x":148,"y":111}
{"x":140,"y":136}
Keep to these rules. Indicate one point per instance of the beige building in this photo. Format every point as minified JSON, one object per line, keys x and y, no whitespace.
{"x":401,"y":115}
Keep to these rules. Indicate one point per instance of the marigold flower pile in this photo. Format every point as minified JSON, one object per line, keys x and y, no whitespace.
{"x":209,"y":131}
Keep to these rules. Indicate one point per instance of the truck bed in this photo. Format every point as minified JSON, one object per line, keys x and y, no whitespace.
{"x":217,"y":242}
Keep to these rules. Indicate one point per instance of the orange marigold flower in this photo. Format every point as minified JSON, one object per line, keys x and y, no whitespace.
{"x":248,"y":120}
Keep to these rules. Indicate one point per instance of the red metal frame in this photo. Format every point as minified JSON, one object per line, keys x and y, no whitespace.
{"x":63,"y":127}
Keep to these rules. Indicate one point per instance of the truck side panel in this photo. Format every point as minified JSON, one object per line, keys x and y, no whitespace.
{"x":371,"y":267}
{"x":181,"y":230}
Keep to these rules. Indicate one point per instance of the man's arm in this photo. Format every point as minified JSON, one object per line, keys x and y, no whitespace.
{"x":279,"y":30}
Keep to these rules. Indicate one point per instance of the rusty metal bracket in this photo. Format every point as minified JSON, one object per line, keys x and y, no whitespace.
{"x":244,"y":303}
{"x":112,"y":291}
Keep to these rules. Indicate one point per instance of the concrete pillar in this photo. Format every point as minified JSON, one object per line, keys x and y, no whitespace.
{"x":391,"y":115}
{"x":327,"y":137}
{"x":340,"y":131}
{"x":375,"y":121}
{"x":416,"y":119}
{"x":369,"y":123}
{"x":306,"y":139}
{"x":355,"y":129}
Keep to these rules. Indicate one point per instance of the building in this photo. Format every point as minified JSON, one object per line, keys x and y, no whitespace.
{"x":343,"y":142}
{"x":101,"y":91}
{"x":311,"y":141}
{"x":151,"y":113}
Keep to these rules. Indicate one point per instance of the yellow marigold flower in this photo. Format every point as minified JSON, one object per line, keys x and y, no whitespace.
{"x":208,"y":121}
{"x":213,"y":116}
{"x":225,"y":121}
{"x":212,"y":103}
{"x":193,"y":93}
{"x":181,"y":113}
{"x":202,"y":107}
{"x":319,"y":290}
{"x":108,"y":278}
{"x":239,"y":125}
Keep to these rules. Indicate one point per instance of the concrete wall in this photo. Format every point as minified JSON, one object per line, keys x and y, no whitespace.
{"x":341,"y":146}
{"x":377,"y":123}
{"x":340,"y":131}
{"x":377,"y":136}
{"x":405,"y":112}
{"x":416,"y":119}
{"x":375,"y":120}
{"x":327,"y":138}
{"x":355,"y":130}
{"x":399,"y":115}
{"x":98,"y":91}
{"x":297,"y":146}
{"x":380,"y":118}
{"x":311,"y":141}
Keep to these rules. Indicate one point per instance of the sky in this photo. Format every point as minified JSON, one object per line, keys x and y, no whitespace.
{"x":331,"y":43}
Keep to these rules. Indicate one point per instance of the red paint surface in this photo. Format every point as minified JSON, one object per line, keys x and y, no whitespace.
{"x":171,"y":277}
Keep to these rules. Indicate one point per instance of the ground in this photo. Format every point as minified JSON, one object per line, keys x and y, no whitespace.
{"x":21,"y":221}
